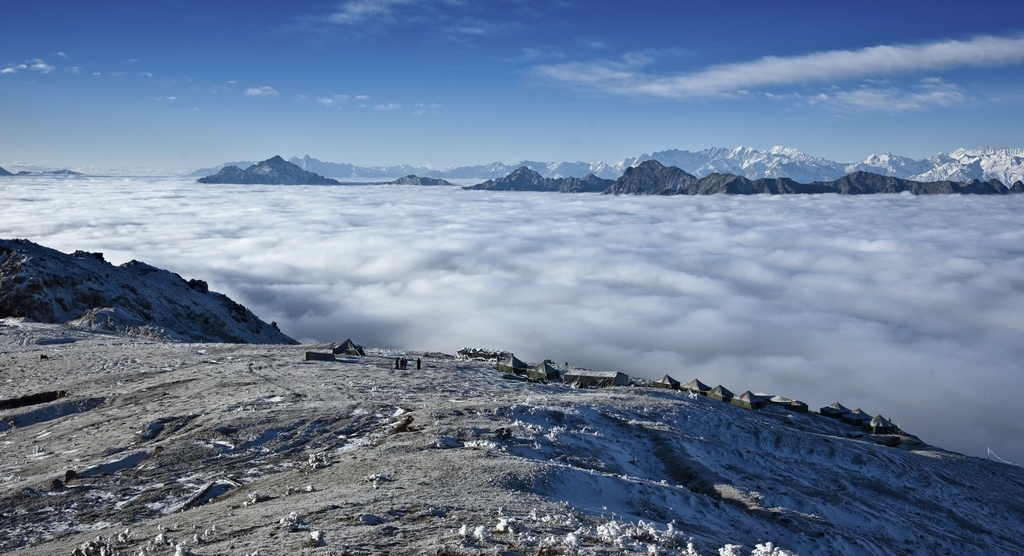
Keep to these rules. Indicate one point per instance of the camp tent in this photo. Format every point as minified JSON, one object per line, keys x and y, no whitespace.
{"x":881,"y":425}
{"x":317,"y":356}
{"x":856,"y":417}
{"x":544,"y":372}
{"x":749,"y":400}
{"x":792,"y":405}
{"x":594,"y":379}
{"x":666,"y":382}
{"x":348,"y":347}
{"x":834,"y":411}
{"x":696,"y":387}
{"x":510,"y":364}
{"x":720,"y":393}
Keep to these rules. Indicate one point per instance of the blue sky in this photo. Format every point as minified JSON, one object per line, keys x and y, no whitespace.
{"x":186,"y":84}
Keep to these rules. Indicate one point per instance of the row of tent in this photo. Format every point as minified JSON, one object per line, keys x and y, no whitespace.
{"x":748,"y":400}
{"x":546,"y":372}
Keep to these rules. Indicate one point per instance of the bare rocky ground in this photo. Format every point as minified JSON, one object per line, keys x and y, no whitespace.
{"x":175,"y":448}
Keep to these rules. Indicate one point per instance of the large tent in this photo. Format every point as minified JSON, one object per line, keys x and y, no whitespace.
{"x":348,"y":347}
{"x":666,"y":382}
{"x":544,"y":372}
{"x":510,"y":364}
{"x":834,"y":411}
{"x":881,"y":425}
{"x":790,"y":404}
{"x":595,"y":379}
{"x":720,"y":393}
{"x":856,"y":417}
{"x":749,"y":400}
{"x":696,"y":387}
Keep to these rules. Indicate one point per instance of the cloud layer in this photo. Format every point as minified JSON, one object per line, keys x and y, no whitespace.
{"x":904,"y":306}
{"x":627,"y":76}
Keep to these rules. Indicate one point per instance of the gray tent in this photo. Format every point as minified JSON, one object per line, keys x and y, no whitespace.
{"x":856,"y":417}
{"x":666,"y":382}
{"x":348,"y":347}
{"x":749,"y":400}
{"x":696,"y":387}
{"x":720,"y":393}
{"x":510,"y":364}
{"x":544,"y":372}
{"x":881,"y":425}
{"x":792,"y":405}
{"x":594,"y":379}
{"x":834,"y":411}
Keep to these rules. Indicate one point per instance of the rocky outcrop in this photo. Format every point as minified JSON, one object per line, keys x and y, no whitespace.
{"x":82,"y":289}
{"x":418,"y":180}
{"x":4,"y":172}
{"x":525,"y":179}
{"x":653,"y":178}
{"x":273,"y":171}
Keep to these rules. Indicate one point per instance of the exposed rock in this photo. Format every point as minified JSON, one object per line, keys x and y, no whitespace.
{"x":83,"y":290}
{"x":525,"y":179}
{"x":273,"y":171}
{"x":417,"y":180}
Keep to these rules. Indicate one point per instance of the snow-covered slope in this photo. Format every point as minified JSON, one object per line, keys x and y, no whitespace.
{"x":164,"y":448}
{"x":84,"y":290}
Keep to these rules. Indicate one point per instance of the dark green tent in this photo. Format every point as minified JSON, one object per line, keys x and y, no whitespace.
{"x":749,"y":400}
{"x":834,"y":411}
{"x":348,"y":347}
{"x":510,"y":364}
{"x":881,"y":425}
{"x":696,"y":387}
{"x":856,"y":418}
{"x":720,"y":393}
{"x":544,"y":372}
{"x":666,"y":382}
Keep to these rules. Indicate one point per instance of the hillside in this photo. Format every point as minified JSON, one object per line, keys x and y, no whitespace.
{"x":83,"y":290}
{"x":273,"y":171}
{"x":172,"y":448}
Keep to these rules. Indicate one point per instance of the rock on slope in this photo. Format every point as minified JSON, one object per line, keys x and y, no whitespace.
{"x":273,"y":171}
{"x":525,"y":179}
{"x":44,"y":285}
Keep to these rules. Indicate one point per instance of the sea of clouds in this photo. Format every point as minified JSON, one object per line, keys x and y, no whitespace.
{"x":912,"y":307}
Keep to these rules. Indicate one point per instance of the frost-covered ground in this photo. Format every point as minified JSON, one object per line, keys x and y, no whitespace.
{"x":165,"y":448}
{"x":905,"y":306}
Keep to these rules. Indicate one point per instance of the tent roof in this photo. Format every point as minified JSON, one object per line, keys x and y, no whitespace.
{"x":721,"y":389}
{"x":879,"y":421}
{"x":749,"y":396}
{"x":667,"y":380}
{"x":696,"y":386}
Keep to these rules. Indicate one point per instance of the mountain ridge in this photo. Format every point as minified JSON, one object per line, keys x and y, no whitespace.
{"x":963,"y":164}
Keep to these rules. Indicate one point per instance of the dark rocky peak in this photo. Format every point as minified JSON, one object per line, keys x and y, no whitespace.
{"x":84,"y":290}
{"x":273,"y":171}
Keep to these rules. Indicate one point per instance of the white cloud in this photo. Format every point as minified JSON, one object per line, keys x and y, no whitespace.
{"x":61,"y":54}
{"x":905,"y":306}
{"x":73,"y":69}
{"x":8,"y":70}
{"x":626,"y":76}
{"x":41,"y":66}
{"x":358,"y":11}
{"x":261,"y":91}
{"x":389,"y":107}
{"x":332,"y":101}
{"x":929,"y":93}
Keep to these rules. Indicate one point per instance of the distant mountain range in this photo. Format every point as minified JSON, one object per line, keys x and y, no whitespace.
{"x":961,"y":165}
